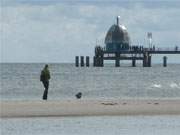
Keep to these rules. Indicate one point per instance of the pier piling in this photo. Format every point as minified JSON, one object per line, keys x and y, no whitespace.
{"x":164,"y":61}
{"x":149,"y":61}
{"x":145,"y":60}
{"x":77,"y":61}
{"x":133,"y":63}
{"x":87,"y":61}
{"x":98,"y":62}
{"x":82,"y":61}
{"x":94,"y":61}
{"x":117,"y":63}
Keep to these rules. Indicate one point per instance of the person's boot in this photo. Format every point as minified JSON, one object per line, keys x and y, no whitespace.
{"x":45,"y":95}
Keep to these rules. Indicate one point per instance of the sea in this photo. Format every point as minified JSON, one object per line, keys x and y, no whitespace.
{"x":21,"y":81}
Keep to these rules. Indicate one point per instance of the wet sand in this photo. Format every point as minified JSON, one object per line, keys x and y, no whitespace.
{"x":88,"y":108}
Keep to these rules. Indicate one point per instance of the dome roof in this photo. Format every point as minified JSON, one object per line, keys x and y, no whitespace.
{"x":117,"y":34}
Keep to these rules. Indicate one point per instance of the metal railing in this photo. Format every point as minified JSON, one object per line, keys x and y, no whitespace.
{"x":168,"y":49}
{"x":141,"y":48}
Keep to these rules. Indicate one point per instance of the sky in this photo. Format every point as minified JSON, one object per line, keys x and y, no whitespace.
{"x":55,"y":31}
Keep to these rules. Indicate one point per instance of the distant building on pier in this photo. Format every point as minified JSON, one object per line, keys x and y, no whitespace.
{"x":117,"y":37}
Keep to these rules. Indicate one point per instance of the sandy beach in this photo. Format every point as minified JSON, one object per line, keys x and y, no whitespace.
{"x":88,"y":108}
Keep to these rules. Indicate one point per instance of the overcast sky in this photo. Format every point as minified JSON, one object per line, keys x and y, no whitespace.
{"x":56,"y":30}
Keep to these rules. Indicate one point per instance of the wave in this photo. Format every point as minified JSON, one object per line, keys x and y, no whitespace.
{"x":157,"y":85}
{"x":171,"y":85}
{"x":174,"y":85}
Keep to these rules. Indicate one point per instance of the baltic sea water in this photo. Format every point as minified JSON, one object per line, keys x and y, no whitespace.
{"x":21,"y":82}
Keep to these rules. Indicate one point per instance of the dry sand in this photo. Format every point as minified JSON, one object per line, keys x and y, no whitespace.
{"x":88,"y":108}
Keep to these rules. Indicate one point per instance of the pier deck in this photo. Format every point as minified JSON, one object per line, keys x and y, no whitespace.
{"x":141,"y":54}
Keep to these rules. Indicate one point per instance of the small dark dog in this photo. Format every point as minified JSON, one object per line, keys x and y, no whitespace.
{"x":78,"y":95}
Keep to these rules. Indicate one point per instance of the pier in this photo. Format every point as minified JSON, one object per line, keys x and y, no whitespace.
{"x":118,"y":47}
{"x":143,"y":55}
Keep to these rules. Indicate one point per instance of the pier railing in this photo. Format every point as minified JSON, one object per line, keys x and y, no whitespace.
{"x":141,"y":49}
{"x":133,"y":53}
{"x":167,"y":49}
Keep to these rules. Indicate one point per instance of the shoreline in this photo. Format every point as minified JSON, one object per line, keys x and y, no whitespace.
{"x":88,"y":107}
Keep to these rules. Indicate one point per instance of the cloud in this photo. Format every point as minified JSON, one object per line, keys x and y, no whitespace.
{"x":58,"y":31}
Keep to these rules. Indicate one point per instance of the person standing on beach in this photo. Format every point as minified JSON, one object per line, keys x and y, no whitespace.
{"x":44,"y":78}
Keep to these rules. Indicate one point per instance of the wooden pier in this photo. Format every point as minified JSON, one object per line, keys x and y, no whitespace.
{"x":143,"y":55}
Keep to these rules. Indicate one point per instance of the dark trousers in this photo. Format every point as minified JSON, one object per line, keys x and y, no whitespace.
{"x":46,"y":86}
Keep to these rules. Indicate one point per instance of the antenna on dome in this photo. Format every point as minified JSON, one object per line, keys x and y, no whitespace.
{"x":149,"y":35}
{"x":118,"y":18}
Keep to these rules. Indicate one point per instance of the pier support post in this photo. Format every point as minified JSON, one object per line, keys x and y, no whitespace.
{"x":164,"y":61}
{"x":117,"y":63}
{"x":149,"y":61}
{"x":102,"y":62}
{"x":145,"y":60}
{"x":117,"y":60}
{"x":82,"y":61}
{"x":77,"y":61}
{"x":87,"y":61}
{"x":134,"y":63}
{"x":98,"y":62}
{"x":94,"y":61}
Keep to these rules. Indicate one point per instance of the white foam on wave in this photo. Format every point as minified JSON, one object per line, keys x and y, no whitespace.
{"x":174,"y":85}
{"x":157,"y":85}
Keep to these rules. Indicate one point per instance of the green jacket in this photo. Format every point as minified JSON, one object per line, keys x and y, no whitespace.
{"x":45,"y":75}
